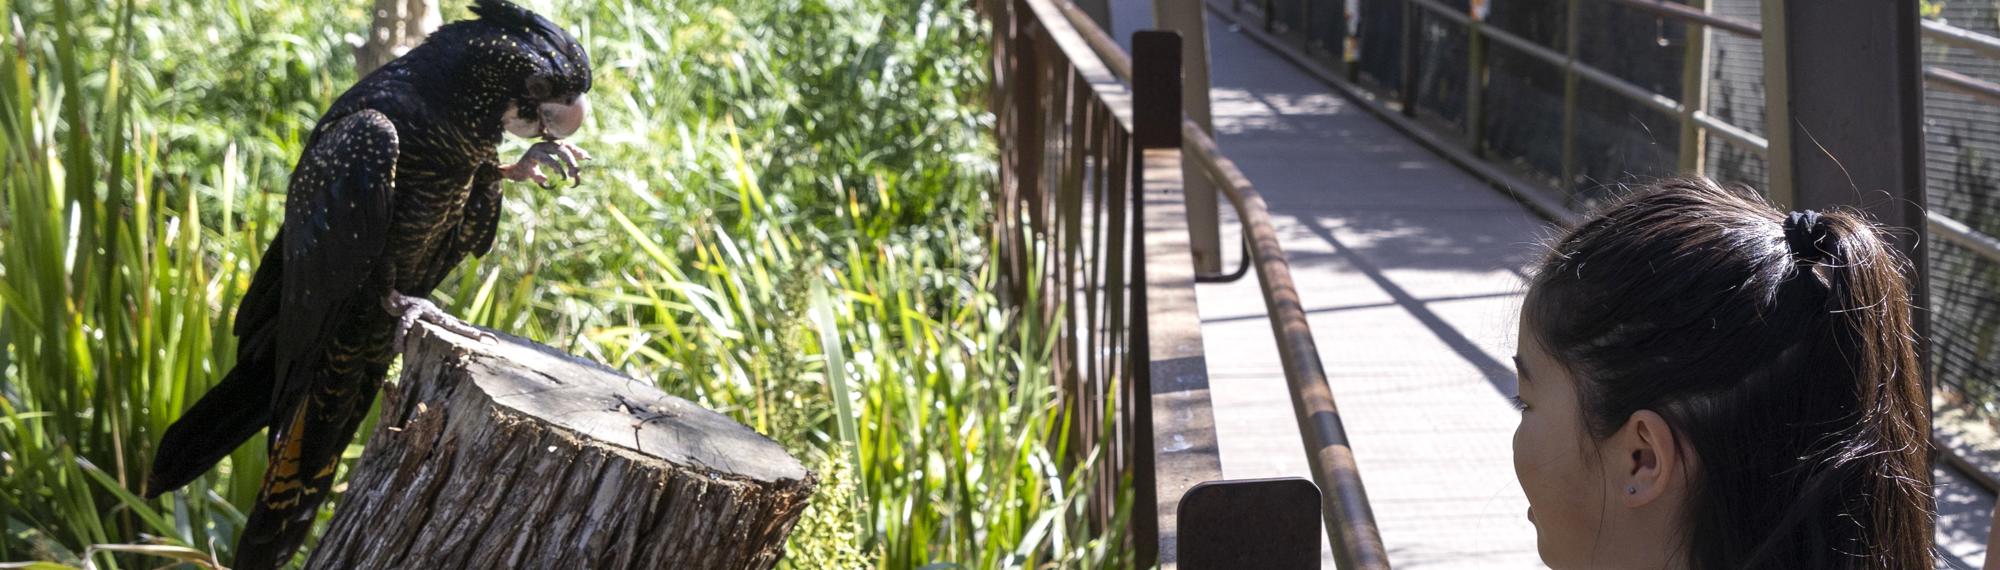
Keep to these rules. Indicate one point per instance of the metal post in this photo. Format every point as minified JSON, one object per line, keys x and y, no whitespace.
{"x":1412,"y":43}
{"x":1777,"y":104}
{"x":1694,"y":94}
{"x":1847,"y":119}
{"x":1156,"y":118}
{"x":1350,"y":47}
{"x":1204,"y":217}
{"x":1250,"y":523}
{"x":1336,"y":46}
{"x":1174,"y":374}
{"x":1305,"y":24}
{"x":1475,"y":80}
{"x":1570,"y":34}
{"x":1031,"y":69}
{"x":1099,"y":11}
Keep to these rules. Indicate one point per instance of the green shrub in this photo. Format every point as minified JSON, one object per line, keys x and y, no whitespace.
{"x":784,"y":222}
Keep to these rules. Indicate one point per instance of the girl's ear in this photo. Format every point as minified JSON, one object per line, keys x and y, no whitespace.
{"x":1646,"y":459}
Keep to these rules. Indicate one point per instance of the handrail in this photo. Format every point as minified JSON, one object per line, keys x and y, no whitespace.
{"x":1969,"y":85}
{"x":1944,"y":228}
{"x":1961,"y":37}
{"x":1092,"y":240}
{"x":1690,"y":15}
{"x":1962,"y":235}
{"x":1986,"y":45}
{"x":1121,"y":66}
{"x":1356,"y":540}
{"x":1949,"y":229}
{"x":1350,"y":522}
{"x":1955,"y":231}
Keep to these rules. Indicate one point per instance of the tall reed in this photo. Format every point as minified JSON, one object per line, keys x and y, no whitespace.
{"x":783,"y":223}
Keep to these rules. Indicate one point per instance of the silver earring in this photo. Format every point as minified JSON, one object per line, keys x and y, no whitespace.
{"x":1631,"y":490}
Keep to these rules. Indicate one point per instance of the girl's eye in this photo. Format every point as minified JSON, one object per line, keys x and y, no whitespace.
{"x":1519,"y":404}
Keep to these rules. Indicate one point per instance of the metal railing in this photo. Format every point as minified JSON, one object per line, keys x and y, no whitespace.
{"x":1350,"y":522}
{"x":1284,"y":25}
{"x":1955,"y":231}
{"x":1091,"y":237}
{"x":1091,"y":230}
{"x":1688,"y":109}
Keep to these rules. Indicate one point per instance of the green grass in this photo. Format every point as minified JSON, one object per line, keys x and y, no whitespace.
{"x":784,"y":223}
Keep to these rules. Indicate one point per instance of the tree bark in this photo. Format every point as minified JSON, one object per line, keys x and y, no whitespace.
{"x":513,"y":455}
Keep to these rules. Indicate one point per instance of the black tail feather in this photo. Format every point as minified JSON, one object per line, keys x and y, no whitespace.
{"x":305,"y":453}
{"x":270,"y":544}
{"x":225,"y":417}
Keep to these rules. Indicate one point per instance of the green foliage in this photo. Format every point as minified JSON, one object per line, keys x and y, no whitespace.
{"x":783,"y":223}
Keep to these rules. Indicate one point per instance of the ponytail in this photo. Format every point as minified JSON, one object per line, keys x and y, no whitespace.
{"x":1868,"y":301}
{"x":1779,"y":349}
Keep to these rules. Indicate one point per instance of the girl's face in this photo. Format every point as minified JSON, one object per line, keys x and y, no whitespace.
{"x":1553,"y":461}
{"x":1595,"y":504}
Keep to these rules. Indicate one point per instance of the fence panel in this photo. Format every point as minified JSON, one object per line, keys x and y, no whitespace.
{"x":1091,"y":238}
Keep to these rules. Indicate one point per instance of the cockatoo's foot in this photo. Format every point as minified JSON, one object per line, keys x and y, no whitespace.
{"x":562,"y":156}
{"x":409,"y":310}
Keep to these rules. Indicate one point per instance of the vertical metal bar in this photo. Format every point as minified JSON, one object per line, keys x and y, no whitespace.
{"x":1305,"y":25}
{"x":1337,"y":44}
{"x":1092,"y":280}
{"x":1099,"y":11}
{"x":1063,"y":247}
{"x":1033,"y":130}
{"x":1026,"y":148}
{"x":1156,"y":119}
{"x":1118,"y":283}
{"x":1694,"y":94}
{"x":1204,"y":209}
{"x":1777,"y":105}
{"x":1853,"y":118}
{"x":1412,"y":44}
{"x":1475,"y":80}
{"x":1350,"y":48}
{"x":1157,"y":94}
{"x":1570,"y":33}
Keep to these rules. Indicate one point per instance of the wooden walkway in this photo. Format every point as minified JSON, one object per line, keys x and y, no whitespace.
{"x":1412,"y":272}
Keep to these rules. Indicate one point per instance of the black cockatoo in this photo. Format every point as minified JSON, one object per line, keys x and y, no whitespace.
{"x":399,"y":181}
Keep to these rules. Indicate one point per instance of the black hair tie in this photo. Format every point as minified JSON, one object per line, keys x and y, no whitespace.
{"x":1804,"y":231}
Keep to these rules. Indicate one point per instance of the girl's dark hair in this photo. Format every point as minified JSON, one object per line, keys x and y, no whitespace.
{"x":1780,"y":351}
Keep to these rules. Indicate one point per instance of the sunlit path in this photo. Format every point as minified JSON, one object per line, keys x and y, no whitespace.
{"x":1412,"y":272}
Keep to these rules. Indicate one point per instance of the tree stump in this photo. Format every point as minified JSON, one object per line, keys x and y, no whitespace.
{"x":513,"y":455}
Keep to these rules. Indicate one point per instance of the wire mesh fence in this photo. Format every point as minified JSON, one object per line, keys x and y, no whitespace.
{"x":1962,"y":142}
{"x":1588,"y":140}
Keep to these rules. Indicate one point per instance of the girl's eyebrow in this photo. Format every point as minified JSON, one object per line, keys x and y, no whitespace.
{"x":1521,"y":369}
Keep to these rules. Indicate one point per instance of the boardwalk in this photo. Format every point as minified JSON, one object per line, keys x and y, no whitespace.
{"x":1412,"y":272}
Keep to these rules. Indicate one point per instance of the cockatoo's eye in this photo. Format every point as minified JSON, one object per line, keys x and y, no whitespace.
{"x":539,"y":88}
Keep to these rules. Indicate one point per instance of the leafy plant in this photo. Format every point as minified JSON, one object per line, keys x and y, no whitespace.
{"x":783,"y":223}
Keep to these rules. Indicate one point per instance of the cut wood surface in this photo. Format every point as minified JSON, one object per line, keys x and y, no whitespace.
{"x":510,"y":454}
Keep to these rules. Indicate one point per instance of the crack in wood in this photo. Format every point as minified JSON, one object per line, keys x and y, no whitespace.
{"x":485,"y":470}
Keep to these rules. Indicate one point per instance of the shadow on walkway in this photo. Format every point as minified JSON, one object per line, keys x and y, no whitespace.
{"x":1411,"y":273}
